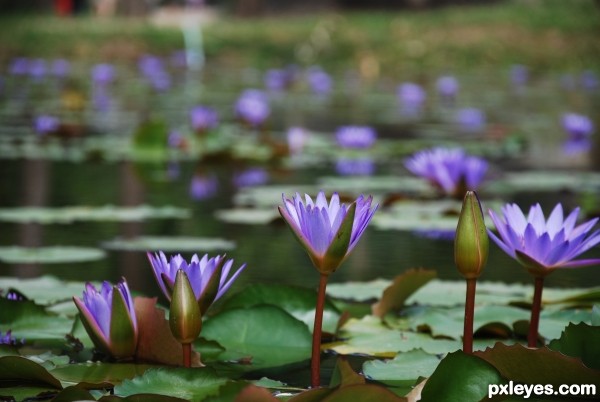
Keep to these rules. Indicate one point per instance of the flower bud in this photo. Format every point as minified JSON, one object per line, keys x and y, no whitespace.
{"x":471,"y":243}
{"x":185,"y":319}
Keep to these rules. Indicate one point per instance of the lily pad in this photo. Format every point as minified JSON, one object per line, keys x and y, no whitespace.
{"x":385,"y":184}
{"x":358,"y":291}
{"x":169,"y":244}
{"x":22,"y":371}
{"x":98,"y":375}
{"x":580,"y":340}
{"x":49,"y":255}
{"x":248,"y":216}
{"x":299,"y":302}
{"x":266,"y":335}
{"x":44,"y":289}
{"x":548,"y":180}
{"x":47,"y":215}
{"x":403,"y":286}
{"x":402,"y":370}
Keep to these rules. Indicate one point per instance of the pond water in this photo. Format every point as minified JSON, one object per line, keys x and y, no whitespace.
{"x":522,"y":133}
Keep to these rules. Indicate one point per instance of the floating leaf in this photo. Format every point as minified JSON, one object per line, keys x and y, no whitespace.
{"x":98,"y":375}
{"x":344,"y":375}
{"x":267,"y":335}
{"x":44,"y":289}
{"x":460,"y":377}
{"x":552,"y":323}
{"x":358,"y":291}
{"x":31,"y":322}
{"x":248,"y":216}
{"x":402,"y":370}
{"x":47,"y":215}
{"x":403,"y":286}
{"x":596,"y":315}
{"x":363,"y":393}
{"x":544,"y":180}
{"x":169,"y":244}
{"x":156,"y":342}
{"x":49,"y":255}
{"x":73,"y":393}
{"x":190,"y":384}
{"x":299,"y":302}
{"x":253,"y":393}
{"x":580,"y":340}
{"x":22,"y":371}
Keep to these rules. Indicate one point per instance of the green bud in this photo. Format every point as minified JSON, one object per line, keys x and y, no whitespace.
{"x":185,"y":319}
{"x":471,"y":243}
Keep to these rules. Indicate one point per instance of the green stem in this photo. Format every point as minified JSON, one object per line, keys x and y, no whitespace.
{"x":469,"y":315}
{"x":534,"y":322}
{"x":187,"y":354}
{"x":315,"y":361}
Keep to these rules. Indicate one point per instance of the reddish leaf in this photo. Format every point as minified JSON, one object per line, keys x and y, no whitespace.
{"x":403,"y":286}
{"x":252,"y":393}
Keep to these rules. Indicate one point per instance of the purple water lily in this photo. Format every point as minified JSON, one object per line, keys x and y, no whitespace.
{"x":355,"y":166}
{"x":45,"y":124}
{"x":203,"y":187}
{"x":317,"y":225}
{"x":544,"y":245}
{"x":297,"y":137}
{"x":319,"y":81}
{"x":8,"y":339}
{"x":37,"y":69}
{"x":447,"y":87}
{"x":450,"y":170}
{"x":203,"y":118}
{"x":19,"y":66}
{"x":250,"y":177}
{"x":276,"y":79}
{"x":108,"y":315}
{"x":103,"y":74}
{"x":411,"y":97}
{"x":358,"y":137}
{"x":471,"y":119}
{"x":60,"y":68}
{"x":253,"y":107}
{"x":207,"y":276}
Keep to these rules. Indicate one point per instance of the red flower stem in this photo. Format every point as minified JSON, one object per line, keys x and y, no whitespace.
{"x":469,"y":314}
{"x":534,"y":322}
{"x":315,"y":361}
{"x":187,"y":354}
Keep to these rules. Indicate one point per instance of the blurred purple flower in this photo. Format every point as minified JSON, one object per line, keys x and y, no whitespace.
{"x":46,"y":124}
{"x":411,"y":98}
{"x":296,"y":139}
{"x":541,"y":245}
{"x":519,"y":75}
{"x":355,"y":166}
{"x":173,"y":170}
{"x":447,"y":87}
{"x":37,"y":69}
{"x":203,"y":118}
{"x":436,"y":234}
{"x":203,"y":187}
{"x":175,"y":139}
{"x":60,"y":68}
{"x":108,"y":316}
{"x":358,"y":137}
{"x":471,"y":120}
{"x":19,"y":66}
{"x":250,"y":177}
{"x":317,"y":224}
{"x":276,"y":80}
{"x":103,"y":74}
{"x":579,"y":129}
{"x":589,"y":80}
{"x":450,"y":170}
{"x":150,"y":65}
{"x":207,"y":276}
{"x":319,"y":81}
{"x":253,"y":107}
{"x":7,"y":339}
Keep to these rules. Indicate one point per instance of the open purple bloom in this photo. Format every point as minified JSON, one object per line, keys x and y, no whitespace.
{"x":542,"y":245}
{"x":203,"y":118}
{"x":471,"y":119}
{"x":448,"y":169}
{"x":108,"y":315}
{"x":207,"y":276}
{"x":358,"y":137}
{"x":328,"y":231}
{"x":519,"y":75}
{"x":253,"y":107}
{"x":589,"y":80}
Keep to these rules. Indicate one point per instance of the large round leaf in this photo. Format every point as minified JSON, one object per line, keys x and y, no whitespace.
{"x":49,"y":255}
{"x":404,"y":369}
{"x":169,"y":244}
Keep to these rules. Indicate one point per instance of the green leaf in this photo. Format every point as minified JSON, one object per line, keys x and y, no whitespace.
{"x":73,"y":393}
{"x":267,"y":334}
{"x":403,"y":370}
{"x":44,"y":289}
{"x":253,"y":393}
{"x":169,"y":244}
{"x":25,"y":393}
{"x":358,"y":291}
{"x":248,"y":216}
{"x":596,"y":315}
{"x":98,"y":374}
{"x":363,"y":393}
{"x":299,"y":302}
{"x":580,"y":340}
{"x":193,"y":384}
{"x":538,"y":366}
{"x":403,"y":286}
{"x":460,"y":377}
{"x":22,"y":371}
{"x":344,"y":375}
{"x":338,"y":248}
{"x":49,"y":255}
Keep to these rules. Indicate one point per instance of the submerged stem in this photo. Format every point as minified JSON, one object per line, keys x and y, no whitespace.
{"x":315,"y":361}
{"x":469,"y":314}
{"x":187,"y":354}
{"x":534,"y":322}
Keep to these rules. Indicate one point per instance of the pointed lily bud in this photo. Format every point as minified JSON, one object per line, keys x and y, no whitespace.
{"x":471,"y":243}
{"x":185,"y":319}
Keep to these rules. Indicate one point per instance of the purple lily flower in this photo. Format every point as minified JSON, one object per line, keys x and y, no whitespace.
{"x":207,"y":276}
{"x":45,"y":124}
{"x":541,"y":245}
{"x":579,"y":129}
{"x":319,"y":81}
{"x":327,"y":231}
{"x":19,"y":66}
{"x":37,"y":69}
{"x":108,"y":316}
{"x":358,"y":137}
{"x":589,"y":80}
{"x":519,"y":75}
{"x":448,"y":169}
{"x":411,"y":98}
{"x":253,"y":107}
{"x":203,"y":187}
{"x":8,"y":339}
{"x":471,"y":119}
{"x":203,"y":118}
{"x":276,"y":79}
{"x":296,"y":139}
{"x":103,"y":74}
{"x":60,"y":68}
{"x":251,"y":177}
{"x":447,"y":87}
{"x":355,"y":167}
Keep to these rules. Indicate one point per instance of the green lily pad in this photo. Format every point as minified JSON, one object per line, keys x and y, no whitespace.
{"x":378,"y":184}
{"x":99,"y":374}
{"x":404,"y":285}
{"x":269,"y":197}
{"x":190,"y":384}
{"x":552,"y":323}
{"x":22,"y":371}
{"x":299,"y":302}
{"x":248,"y":216}
{"x":49,"y":255}
{"x":267,"y":335}
{"x":169,"y":244}
{"x":546,"y":180}
{"x":44,"y":289}
{"x":358,"y":291}
{"x":580,"y":340}
{"x":402,"y":370}
{"x":47,"y":215}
